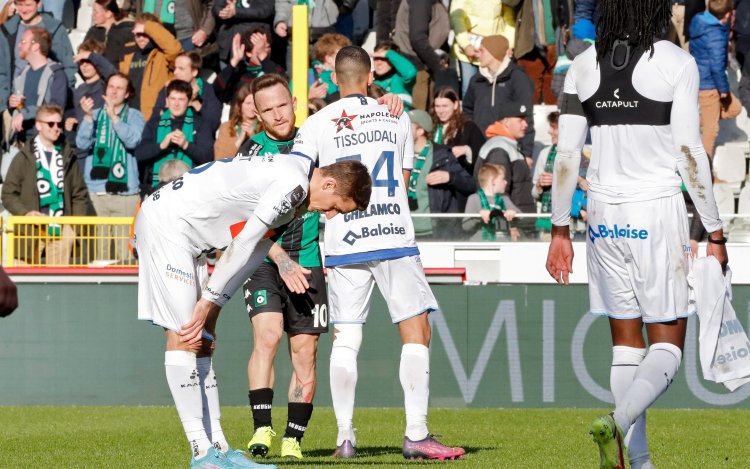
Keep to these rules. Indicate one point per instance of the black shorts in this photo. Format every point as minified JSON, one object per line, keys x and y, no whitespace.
{"x":307,"y":313}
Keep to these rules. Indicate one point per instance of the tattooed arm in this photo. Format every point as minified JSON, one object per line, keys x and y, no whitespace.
{"x":292,"y":273}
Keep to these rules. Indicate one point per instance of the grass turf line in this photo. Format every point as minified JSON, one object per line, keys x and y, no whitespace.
{"x":111,"y":437}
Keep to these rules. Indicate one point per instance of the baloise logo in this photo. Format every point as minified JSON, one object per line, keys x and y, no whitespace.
{"x":351,"y":237}
{"x":602,"y":231}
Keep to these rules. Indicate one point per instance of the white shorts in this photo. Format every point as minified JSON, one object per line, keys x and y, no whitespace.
{"x":170,"y":279}
{"x":637,"y":256}
{"x":401,"y":282}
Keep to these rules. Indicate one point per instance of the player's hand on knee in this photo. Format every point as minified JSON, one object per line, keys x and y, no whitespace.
{"x":193,"y":330}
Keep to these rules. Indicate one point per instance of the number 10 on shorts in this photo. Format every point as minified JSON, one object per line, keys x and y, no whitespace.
{"x":320,"y":316}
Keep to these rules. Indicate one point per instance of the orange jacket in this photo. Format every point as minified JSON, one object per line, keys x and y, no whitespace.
{"x":159,"y":66}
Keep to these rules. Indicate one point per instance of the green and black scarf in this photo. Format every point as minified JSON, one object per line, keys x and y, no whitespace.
{"x":50,"y":184}
{"x":110,"y":157}
{"x":166,"y":15}
{"x":546,"y":196}
{"x":165,"y":127}
{"x":419,"y":160}
{"x":489,"y":229}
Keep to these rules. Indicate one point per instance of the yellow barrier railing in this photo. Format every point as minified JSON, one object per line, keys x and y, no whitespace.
{"x":67,"y":241}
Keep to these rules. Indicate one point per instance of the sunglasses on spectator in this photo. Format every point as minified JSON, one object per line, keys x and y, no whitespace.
{"x":53,"y":124}
{"x":141,"y":35}
{"x":378,"y":59}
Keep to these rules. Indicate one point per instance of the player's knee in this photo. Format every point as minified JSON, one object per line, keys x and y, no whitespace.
{"x":624,"y":355}
{"x":268,"y":341}
{"x":347,"y":336}
{"x":670,"y":348}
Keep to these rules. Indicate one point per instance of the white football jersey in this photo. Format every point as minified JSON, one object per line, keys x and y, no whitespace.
{"x":358,"y":128}
{"x":629,"y":113}
{"x":209,"y":205}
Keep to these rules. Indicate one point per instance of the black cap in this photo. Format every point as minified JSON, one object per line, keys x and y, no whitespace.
{"x":513,"y":109}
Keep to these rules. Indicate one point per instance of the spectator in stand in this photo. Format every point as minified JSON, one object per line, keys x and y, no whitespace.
{"x":535,"y":47}
{"x":471,"y":21}
{"x":455,"y":130}
{"x":502,"y":149}
{"x":250,"y":59}
{"x":542,"y":178}
{"x":42,"y":81}
{"x":46,"y":162}
{"x":109,"y":134}
{"x":709,"y":40}
{"x":187,"y":67}
{"x":113,"y":28}
{"x":394,"y":72}
{"x":150,"y":67}
{"x":94,"y":69}
{"x":27,"y":16}
{"x":499,"y":81}
{"x":179,"y":133}
{"x":242,"y":124}
{"x":493,"y":205}
{"x":421,"y":27}
{"x":233,"y":17}
{"x":324,"y":53}
{"x":385,"y":17}
{"x":436,"y":182}
{"x":322,"y":17}
{"x":190,"y":21}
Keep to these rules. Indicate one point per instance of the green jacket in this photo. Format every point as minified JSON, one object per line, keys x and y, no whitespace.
{"x":401,"y":79}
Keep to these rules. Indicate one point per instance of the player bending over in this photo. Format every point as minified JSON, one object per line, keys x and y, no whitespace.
{"x":233,"y":204}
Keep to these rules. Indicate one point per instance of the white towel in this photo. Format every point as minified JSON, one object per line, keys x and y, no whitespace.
{"x":724,"y":346}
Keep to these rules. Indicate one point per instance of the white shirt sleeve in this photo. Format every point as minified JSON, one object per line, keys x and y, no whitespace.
{"x":241,"y":258}
{"x":305,"y":142}
{"x":572,"y":130}
{"x":692,"y":161}
{"x":408,"y":161}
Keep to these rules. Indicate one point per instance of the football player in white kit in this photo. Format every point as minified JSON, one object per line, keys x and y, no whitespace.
{"x":375,"y":245}
{"x":639,"y":97}
{"x":237,"y":204}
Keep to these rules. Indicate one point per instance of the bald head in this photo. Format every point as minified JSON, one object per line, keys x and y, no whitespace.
{"x":352,"y":66}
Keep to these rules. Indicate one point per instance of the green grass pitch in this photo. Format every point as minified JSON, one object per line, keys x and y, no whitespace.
{"x":140,"y":437}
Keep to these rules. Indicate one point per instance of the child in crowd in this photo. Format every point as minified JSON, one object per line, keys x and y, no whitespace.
{"x":492,"y":204}
{"x":394,"y":72}
{"x":542,"y":178}
{"x":709,"y":39}
{"x":324,"y":53}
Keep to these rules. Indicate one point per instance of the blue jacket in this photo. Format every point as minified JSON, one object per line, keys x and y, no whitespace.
{"x":129,"y":133}
{"x":708,"y":45}
{"x":61,"y":50}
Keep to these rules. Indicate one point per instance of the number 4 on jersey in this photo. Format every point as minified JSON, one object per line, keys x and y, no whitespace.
{"x":386,"y":158}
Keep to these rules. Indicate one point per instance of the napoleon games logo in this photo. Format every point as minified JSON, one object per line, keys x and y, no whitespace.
{"x":345,"y":121}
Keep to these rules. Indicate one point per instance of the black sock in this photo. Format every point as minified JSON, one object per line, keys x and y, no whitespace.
{"x":299,"y":416}
{"x":260,"y":403}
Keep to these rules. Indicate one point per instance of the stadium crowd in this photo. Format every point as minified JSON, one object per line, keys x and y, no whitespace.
{"x":151,"y":79}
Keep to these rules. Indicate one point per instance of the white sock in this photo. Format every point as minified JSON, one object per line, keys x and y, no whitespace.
{"x":211,"y":408}
{"x":625,"y":361}
{"x":182,"y":378}
{"x":343,"y":377}
{"x":414,"y":372}
{"x":653,"y":376}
